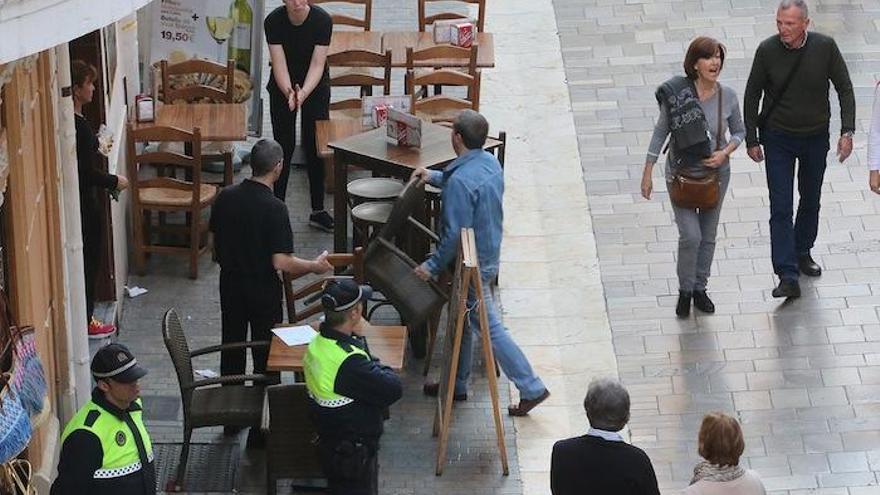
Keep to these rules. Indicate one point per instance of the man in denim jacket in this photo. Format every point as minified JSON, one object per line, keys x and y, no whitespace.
{"x":473,"y":187}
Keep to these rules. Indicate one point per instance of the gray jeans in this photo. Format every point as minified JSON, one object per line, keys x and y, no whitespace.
{"x":696,"y":240}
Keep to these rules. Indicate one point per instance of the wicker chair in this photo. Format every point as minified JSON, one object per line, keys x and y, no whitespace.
{"x":290,"y":446}
{"x":204,"y":402}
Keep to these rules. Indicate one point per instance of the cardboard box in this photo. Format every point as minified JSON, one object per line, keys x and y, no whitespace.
{"x":368,"y":103}
{"x":443,"y":30}
{"x":380,"y":115}
{"x":404,"y":129}
{"x":463,"y":34}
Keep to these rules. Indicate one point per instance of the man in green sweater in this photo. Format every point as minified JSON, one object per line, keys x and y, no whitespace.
{"x":792,"y":70}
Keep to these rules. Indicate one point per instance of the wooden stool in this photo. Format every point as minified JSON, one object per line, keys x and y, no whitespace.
{"x":373,"y":189}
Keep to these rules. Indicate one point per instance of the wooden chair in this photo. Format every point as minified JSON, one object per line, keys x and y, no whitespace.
{"x":354,"y":69}
{"x":340,"y":19}
{"x":425,"y":20}
{"x":186,"y":82}
{"x":440,"y":107}
{"x":166,"y":194}
{"x":354,"y":262}
{"x":290,"y":441}
{"x":205,"y":402}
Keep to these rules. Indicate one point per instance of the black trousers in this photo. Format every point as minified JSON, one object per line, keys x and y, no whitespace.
{"x":365,"y":484}
{"x":248,"y":301}
{"x":316,"y":107}
{"x":92,"y":233}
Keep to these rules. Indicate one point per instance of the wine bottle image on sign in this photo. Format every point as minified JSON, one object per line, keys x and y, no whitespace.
{"x":240,"y":45}
{"x":220,"y":29}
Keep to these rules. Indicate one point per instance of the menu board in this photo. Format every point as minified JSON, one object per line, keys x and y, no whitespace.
{"x":217,"y":30}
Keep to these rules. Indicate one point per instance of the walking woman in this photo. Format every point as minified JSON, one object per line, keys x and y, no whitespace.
{"x":716,"y":113}
{"x":299,"y":36}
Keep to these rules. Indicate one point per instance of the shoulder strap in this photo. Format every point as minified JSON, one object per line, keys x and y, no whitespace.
{"x":765,"y":115}
{"x":718,"y":130}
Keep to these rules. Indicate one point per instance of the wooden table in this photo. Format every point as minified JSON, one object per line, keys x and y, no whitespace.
{"x":343,"y":41}
{"x":216,"y":121}
{"x":327,"y":131}
{"x":388,"y":343}
{"x":399,"y":41}
{"x":370,"y":150}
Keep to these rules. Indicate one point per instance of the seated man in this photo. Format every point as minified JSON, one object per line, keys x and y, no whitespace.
{"x":601,"y":462}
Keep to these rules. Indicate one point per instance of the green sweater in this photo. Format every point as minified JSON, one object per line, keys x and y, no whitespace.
{"x":804,"y":109}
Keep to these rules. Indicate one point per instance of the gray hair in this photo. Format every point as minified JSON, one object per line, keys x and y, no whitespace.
{"x":265,"y":154}
{"x":801,"y":4}
{"x":472,"y":127}
{"x":607,"y":404}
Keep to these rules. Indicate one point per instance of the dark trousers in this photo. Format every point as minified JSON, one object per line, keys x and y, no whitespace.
{"x":92,"y":233}
{"x":316,"y":107}
{"x":248,"y":301}
{"x":366,"y":484}
{"x":788,"y":241}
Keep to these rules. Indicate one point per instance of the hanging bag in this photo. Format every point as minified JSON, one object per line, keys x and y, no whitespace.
{"x":15,"y":425}
{"x":690,"y":192}
{"x":28,"y":377}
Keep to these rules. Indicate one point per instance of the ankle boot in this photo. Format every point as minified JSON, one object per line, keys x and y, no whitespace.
{"x":702,"y":302}
{"x":683,"y":308}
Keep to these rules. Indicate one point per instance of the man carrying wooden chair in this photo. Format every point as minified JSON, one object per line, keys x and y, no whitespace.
{"x":472,"y":192}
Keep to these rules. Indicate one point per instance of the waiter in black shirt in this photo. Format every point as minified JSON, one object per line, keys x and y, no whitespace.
{"x":252,"y":241}
{"x":91,"y":180}
{"x":299,"y":37}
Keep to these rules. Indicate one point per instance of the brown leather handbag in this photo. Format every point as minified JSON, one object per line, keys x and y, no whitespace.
{"x":698,"y":192}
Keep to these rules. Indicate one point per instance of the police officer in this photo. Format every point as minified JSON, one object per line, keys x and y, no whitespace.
{"x":349,"y":391}
{"x":105,"y":447}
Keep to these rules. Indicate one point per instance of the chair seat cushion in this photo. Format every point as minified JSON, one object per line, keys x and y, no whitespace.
{"x":163,"y":196}
{"x":234,"y":406}
{"x":374,"y":212}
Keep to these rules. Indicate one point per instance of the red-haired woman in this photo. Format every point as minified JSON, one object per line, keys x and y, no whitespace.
{"x":721,"y":444}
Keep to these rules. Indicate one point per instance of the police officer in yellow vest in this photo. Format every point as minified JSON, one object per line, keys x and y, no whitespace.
{"x":349,"y":391}
{"x":106,"y":448}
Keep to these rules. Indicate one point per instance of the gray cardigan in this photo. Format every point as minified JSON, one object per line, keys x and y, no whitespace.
{"x":731,"y":121}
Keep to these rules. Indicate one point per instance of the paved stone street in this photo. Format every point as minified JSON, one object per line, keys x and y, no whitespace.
{"x":802,"y":377}
{"x":588,"y":267}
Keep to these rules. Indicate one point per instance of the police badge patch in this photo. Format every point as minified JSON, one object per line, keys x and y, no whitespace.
{"x":120,"y":438}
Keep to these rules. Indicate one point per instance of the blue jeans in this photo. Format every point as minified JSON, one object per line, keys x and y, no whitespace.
{"x":509,"y":356}
{"x":790,"y":241}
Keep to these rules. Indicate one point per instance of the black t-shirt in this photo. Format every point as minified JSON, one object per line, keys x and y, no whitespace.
{"x":250,"y":225}
{"x":91,"y":177}
{"x":299,"y":41}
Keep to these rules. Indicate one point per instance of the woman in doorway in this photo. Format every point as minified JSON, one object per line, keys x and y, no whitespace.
{"x":697,"y":227}
{"x":91,"y":180}
{"x":299,"y":37}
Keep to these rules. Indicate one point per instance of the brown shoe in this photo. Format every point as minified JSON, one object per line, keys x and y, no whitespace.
{"x":432,"y":389}
{"x":526,"y":405}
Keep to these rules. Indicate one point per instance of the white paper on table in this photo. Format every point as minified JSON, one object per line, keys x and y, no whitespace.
{"x":299,"y":335}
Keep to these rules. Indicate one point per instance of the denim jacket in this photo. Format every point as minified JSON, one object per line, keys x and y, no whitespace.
{"x":473,"y":188}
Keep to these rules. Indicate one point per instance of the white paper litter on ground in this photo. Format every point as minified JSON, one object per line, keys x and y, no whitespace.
{"x":135,"y":291}
{"x":299,"y":335}
{"x":207,"y":373}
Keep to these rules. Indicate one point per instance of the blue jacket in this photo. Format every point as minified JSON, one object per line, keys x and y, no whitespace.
{"x":473,"y":189}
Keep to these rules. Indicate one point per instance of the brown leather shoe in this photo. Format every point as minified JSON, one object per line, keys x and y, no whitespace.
{"x":432,"y":389}
{"x":525,"y":405}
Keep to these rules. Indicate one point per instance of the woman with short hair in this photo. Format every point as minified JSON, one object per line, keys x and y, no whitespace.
{"x":721,"y":444}
{"x":718,"y":103}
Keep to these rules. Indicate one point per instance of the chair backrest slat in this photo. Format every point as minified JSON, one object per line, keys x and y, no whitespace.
{"x":364,"y":22}
{"x":426,"y":19}
{"x":362,"y":58}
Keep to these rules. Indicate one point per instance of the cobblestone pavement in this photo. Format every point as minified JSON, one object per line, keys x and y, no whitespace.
{"x":804,"y":378}
{"x":408,"y":451}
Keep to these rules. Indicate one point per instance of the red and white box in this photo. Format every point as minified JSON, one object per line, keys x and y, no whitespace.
{"x":380,"y":115}
{"x":369,"y":104}
{"x":404,"y":129}
{"x":462,"y":34}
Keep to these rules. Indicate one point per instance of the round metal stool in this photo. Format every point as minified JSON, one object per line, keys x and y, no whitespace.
{"x":370,"y":216}
{"x":373,"y":189}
